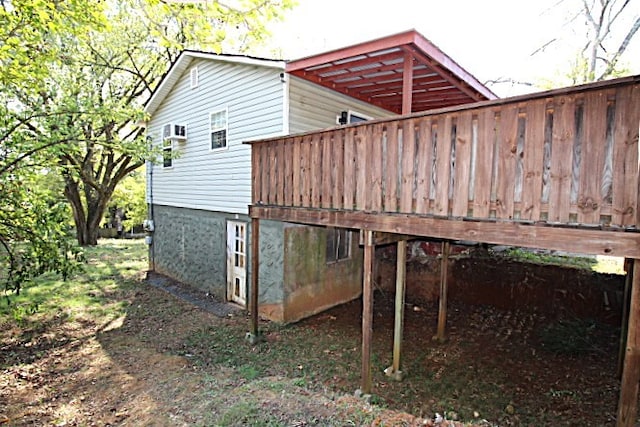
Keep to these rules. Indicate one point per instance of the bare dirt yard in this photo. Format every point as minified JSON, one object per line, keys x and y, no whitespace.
{"x":110,"y":349}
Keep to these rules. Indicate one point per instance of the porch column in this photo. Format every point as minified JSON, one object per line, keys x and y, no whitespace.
{"x":407,"y":83}
{"x":255,"y":270}
{"x":367,"y":311}
{"x":442,"y":309}
{"x":401,"y":269}
{"x":628,"y":403}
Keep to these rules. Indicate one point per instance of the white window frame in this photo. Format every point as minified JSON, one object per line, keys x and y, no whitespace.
{"x":218,"y":129}
{"x":350,"y":115}
{"x":194,"y":77}
{"x":170,"y":149}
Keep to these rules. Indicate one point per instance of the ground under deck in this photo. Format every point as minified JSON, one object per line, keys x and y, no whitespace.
{"x":553,"y":170}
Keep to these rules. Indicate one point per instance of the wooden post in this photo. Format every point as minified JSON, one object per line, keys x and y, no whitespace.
{"x":255,"y":267}
{"x":407,"y":84}
{"x":442,"y":309}
{"x":401,"y":269}
{"x":628,"y":403}
{"x":628,"y":268}
{"x":367,"y":311}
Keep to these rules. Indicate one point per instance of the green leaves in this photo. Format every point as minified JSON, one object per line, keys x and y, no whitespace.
{"x":74,"y":76}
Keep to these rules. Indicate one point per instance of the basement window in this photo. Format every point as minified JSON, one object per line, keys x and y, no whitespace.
{"x":338,"y":244}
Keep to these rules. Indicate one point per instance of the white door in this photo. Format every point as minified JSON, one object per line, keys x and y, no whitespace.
{"x":236,"y":262}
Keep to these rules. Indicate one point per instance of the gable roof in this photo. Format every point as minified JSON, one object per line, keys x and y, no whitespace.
{"x":183,"y":62}
{"x":373,"y":72}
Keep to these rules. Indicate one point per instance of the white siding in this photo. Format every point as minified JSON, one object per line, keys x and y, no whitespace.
{"x":314,"y":107}
{"x":216,"y":180}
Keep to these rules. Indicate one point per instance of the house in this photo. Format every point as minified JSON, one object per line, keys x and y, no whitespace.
{"x":209,"y":105}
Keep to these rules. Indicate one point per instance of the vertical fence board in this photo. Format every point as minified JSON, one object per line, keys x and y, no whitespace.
{"x":305,"y":160}
{"x":391,"y":169}
{"x":595,"y":131}
{"x":423,"y":173}
{"x":349,"y":169}
{"x":367,"y":159}
{"x":563,"y":135}
{"x":264,"y":175}
{"x":625,"y":157}
{"x":273,"y":174}
{"x":316,"y":171}
{"x":533,"y":160}
{"x":280,"y":166}
{"x":338,"y":168}
{"x":463,"y":141}
{"x":296,"y":169}
{"x":507,"y":149}
{"x":443,"y":165}
{"x":375,"y":167}
{"x":484,"y":163}
{"x":288,"y":175}
{"x":256,"y":169}
{"x":407,"y":164}
{"x":327,"y":168}
{"x":361,"y":177}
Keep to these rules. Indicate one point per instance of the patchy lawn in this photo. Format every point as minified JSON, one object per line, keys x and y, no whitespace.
{"x":109,"y":349}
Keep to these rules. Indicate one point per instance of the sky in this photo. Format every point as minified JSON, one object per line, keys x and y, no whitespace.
{"x":491,"y":39}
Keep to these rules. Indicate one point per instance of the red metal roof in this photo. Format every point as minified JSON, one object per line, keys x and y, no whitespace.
{"x":373,"y":72}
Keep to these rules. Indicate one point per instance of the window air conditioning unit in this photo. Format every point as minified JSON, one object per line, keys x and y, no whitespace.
{"x":175,"y":132}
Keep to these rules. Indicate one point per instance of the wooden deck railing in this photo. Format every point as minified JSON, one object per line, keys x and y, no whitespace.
{"x":562,"y":157}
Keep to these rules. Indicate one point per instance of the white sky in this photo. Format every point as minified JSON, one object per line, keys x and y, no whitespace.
{"x":491,"y":39}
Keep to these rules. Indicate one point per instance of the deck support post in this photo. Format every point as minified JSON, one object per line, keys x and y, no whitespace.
{"x":628,"y":268}
{"x":367,"y":312}
{"x":254,"y":336}
{"x":394,"y":371}
{"x":442,"y":308}
{"x":628,"y":403}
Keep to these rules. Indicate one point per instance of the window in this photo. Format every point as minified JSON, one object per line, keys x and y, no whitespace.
{"x":167,"y":151}
{"x":348,"y":117}
{"x":194,"y":77}
{"x":357,"y":118}
{"x":338,"y":244}
{"x":218,"y":129}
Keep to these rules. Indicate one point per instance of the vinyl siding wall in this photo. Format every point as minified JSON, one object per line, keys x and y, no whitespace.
{"x":216,"y":180}
{"x":312,"y":107}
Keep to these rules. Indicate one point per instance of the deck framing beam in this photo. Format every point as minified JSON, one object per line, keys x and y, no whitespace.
{"x":592,"y":241}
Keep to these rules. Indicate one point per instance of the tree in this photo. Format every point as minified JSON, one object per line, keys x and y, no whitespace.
{"x":91,"y":101}
{"x":130,"y":196}
{"x":33,"y":218}
{"x":606,"y":29}
{"x":601,"y":17}
{"x":74,"y":75}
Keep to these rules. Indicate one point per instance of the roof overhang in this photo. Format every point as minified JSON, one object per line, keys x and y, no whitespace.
{"x":381,"y":71}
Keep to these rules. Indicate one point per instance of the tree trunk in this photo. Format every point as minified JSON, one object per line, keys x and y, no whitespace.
{"x":86,"y":219}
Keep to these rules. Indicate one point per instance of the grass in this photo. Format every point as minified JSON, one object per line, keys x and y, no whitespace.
{"x":112,"y":266}
{"x":199,"y":366}
{"x":599,"y":264}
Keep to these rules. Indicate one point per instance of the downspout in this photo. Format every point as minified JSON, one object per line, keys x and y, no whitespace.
{"x":150,"y":226}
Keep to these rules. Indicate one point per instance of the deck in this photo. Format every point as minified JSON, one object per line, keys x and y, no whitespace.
{"x":538,"y":171}
{"x":552,"y":170}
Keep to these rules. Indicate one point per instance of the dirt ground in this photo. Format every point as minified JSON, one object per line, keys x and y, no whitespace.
{"x":167,"y":362}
